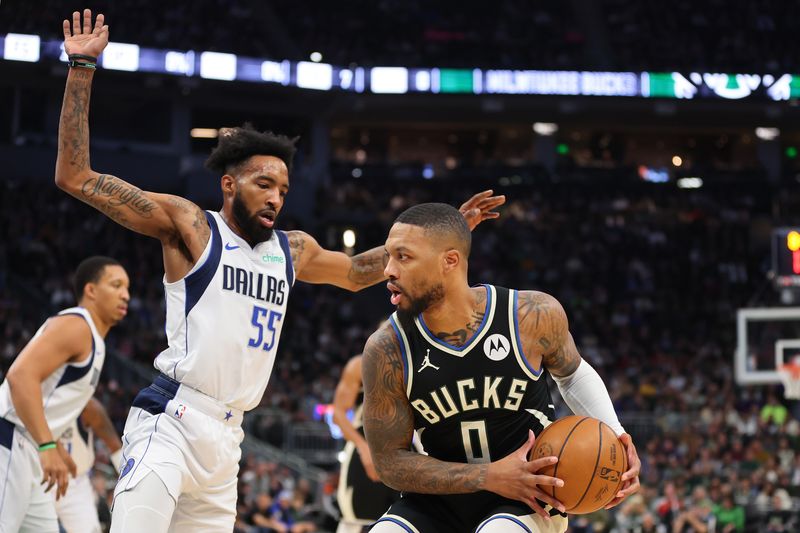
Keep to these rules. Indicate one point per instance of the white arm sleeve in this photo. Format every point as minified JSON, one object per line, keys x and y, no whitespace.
{"x":586,"y":394}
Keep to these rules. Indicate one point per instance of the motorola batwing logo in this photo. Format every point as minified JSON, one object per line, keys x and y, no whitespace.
{"x":496,"y":347}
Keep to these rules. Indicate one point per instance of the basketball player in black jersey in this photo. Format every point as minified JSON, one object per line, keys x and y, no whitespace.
{"x":361,"y":495}
{"x":466,"y":367}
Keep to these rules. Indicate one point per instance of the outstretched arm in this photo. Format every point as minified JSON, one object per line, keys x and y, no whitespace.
{"x":178,"y":223}
{"x":389,"y":426}
{"x":314,"y":264}
{"x":545,"y":331}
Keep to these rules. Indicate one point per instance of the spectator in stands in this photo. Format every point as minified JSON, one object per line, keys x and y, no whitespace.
{"x":730,"y":516}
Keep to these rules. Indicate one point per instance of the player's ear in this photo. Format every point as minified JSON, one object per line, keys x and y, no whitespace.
{"x":228,"y":185}
{"x":451,"y":260}
{"x":90,"y":291}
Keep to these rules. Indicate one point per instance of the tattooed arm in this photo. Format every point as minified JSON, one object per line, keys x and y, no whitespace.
{"x":389,"y":427}
{"x":179,"y":224}
{"x":546,"y":339}
{"x":314,"y":264}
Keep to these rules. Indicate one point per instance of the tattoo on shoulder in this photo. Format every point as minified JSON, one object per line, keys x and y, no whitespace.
{"x":543,"y":321}
{"x":297,"y":245}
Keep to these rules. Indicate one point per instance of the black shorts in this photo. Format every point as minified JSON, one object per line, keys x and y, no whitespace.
{"x":360,"y":498}
{"x":464,"y":513}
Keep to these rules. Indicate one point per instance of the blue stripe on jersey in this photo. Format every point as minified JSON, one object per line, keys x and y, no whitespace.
{"x":287,"y":252}
{"x":197,"y":281}
{"x":83,"y":432}
{"x":402,"y":349}
{"x":519,"y":340}
{"x":155,"y":397}
{"x":74,"y":373}
{"x":6,"y":433}
{"x":472,"y":337}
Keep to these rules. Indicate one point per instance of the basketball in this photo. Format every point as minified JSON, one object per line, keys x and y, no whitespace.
{"x":591,"y":461}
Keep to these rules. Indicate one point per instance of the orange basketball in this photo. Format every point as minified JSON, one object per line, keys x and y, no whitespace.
{"x":591,"y":461}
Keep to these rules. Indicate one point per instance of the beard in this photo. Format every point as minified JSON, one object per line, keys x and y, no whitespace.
{"x":249,"y":224}
{"x":419,"y":304}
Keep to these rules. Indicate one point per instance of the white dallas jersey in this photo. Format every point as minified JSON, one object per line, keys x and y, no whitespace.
{"x":79,"y":443}
{"x":224,"y":318}
{"x":66,"y":391}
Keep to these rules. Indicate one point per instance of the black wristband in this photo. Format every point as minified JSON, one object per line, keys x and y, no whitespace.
{"x":79,"y":57}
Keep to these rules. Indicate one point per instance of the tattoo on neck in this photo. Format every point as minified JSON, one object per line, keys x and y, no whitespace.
{"x":460,"y":336}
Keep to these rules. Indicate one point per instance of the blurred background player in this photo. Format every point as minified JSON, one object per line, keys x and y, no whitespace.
{"x":77,"y":509}
{"x":224,"y":271}
{"x":466,"y":367}
{"x":361,"y":495}
{"x":47,"y":388}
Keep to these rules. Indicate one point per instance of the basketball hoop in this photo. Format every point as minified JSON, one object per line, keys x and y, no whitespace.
{"x":790,"y":376}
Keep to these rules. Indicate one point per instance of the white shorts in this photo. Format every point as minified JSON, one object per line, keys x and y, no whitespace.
{"x":24,"y":505}
{"x":192,"y":443}
{"x":77,"y":509}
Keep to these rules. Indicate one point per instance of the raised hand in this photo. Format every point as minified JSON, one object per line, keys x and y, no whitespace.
{"x":630,"y":479}
{"x":85,"y":39}
{"x":516,"y":477}
{"x":479,"y":208}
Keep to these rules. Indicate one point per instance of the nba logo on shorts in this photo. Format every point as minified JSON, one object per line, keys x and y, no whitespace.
{"x":179,"y":411}
{"x":127,"y":467}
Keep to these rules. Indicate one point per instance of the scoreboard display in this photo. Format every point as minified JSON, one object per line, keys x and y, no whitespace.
{"x":786,"y":256}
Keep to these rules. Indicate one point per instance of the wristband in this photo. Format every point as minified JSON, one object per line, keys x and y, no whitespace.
{"x":82,"y":61}
{"x":47,"y":446}
{"x":88,"y":59}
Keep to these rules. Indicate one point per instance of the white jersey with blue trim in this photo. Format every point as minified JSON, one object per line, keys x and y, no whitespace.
{"x":66,"y":391}
{"x":79,"y":443}
{"x":224,"y":318}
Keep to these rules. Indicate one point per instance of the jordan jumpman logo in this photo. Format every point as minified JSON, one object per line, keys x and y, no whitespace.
{"x":427,"y":363}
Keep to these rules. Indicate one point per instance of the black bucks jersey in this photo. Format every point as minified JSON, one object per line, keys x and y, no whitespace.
{"x":474,"y":403}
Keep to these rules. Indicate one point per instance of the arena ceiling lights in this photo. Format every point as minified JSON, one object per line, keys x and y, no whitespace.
{"x":400,"y":80}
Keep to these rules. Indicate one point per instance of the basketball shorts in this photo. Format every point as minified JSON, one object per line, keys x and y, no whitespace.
{"x":77,"y":509}
{"x":24,"y":505}
{"x":464,"y":513}
{"x":191,"y":442}
{"x":361,"y":500}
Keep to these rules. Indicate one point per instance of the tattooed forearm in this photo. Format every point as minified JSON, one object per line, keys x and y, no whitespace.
{"x":389,"y":426}
{"x":366,"y":269}
{"x":73,"y":130}
{"x":545,"y":329}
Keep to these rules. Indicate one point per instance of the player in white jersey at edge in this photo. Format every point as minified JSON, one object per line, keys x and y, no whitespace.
{"x":46,"y":388}
{"x":77,"y":509}
{"x":227,"y":281}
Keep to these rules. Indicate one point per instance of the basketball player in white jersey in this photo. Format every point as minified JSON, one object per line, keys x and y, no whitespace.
{"x":77,"y":509}
{"x":475,"y":390}
{"x":227,"y":280}
{"x":46,"y":388}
